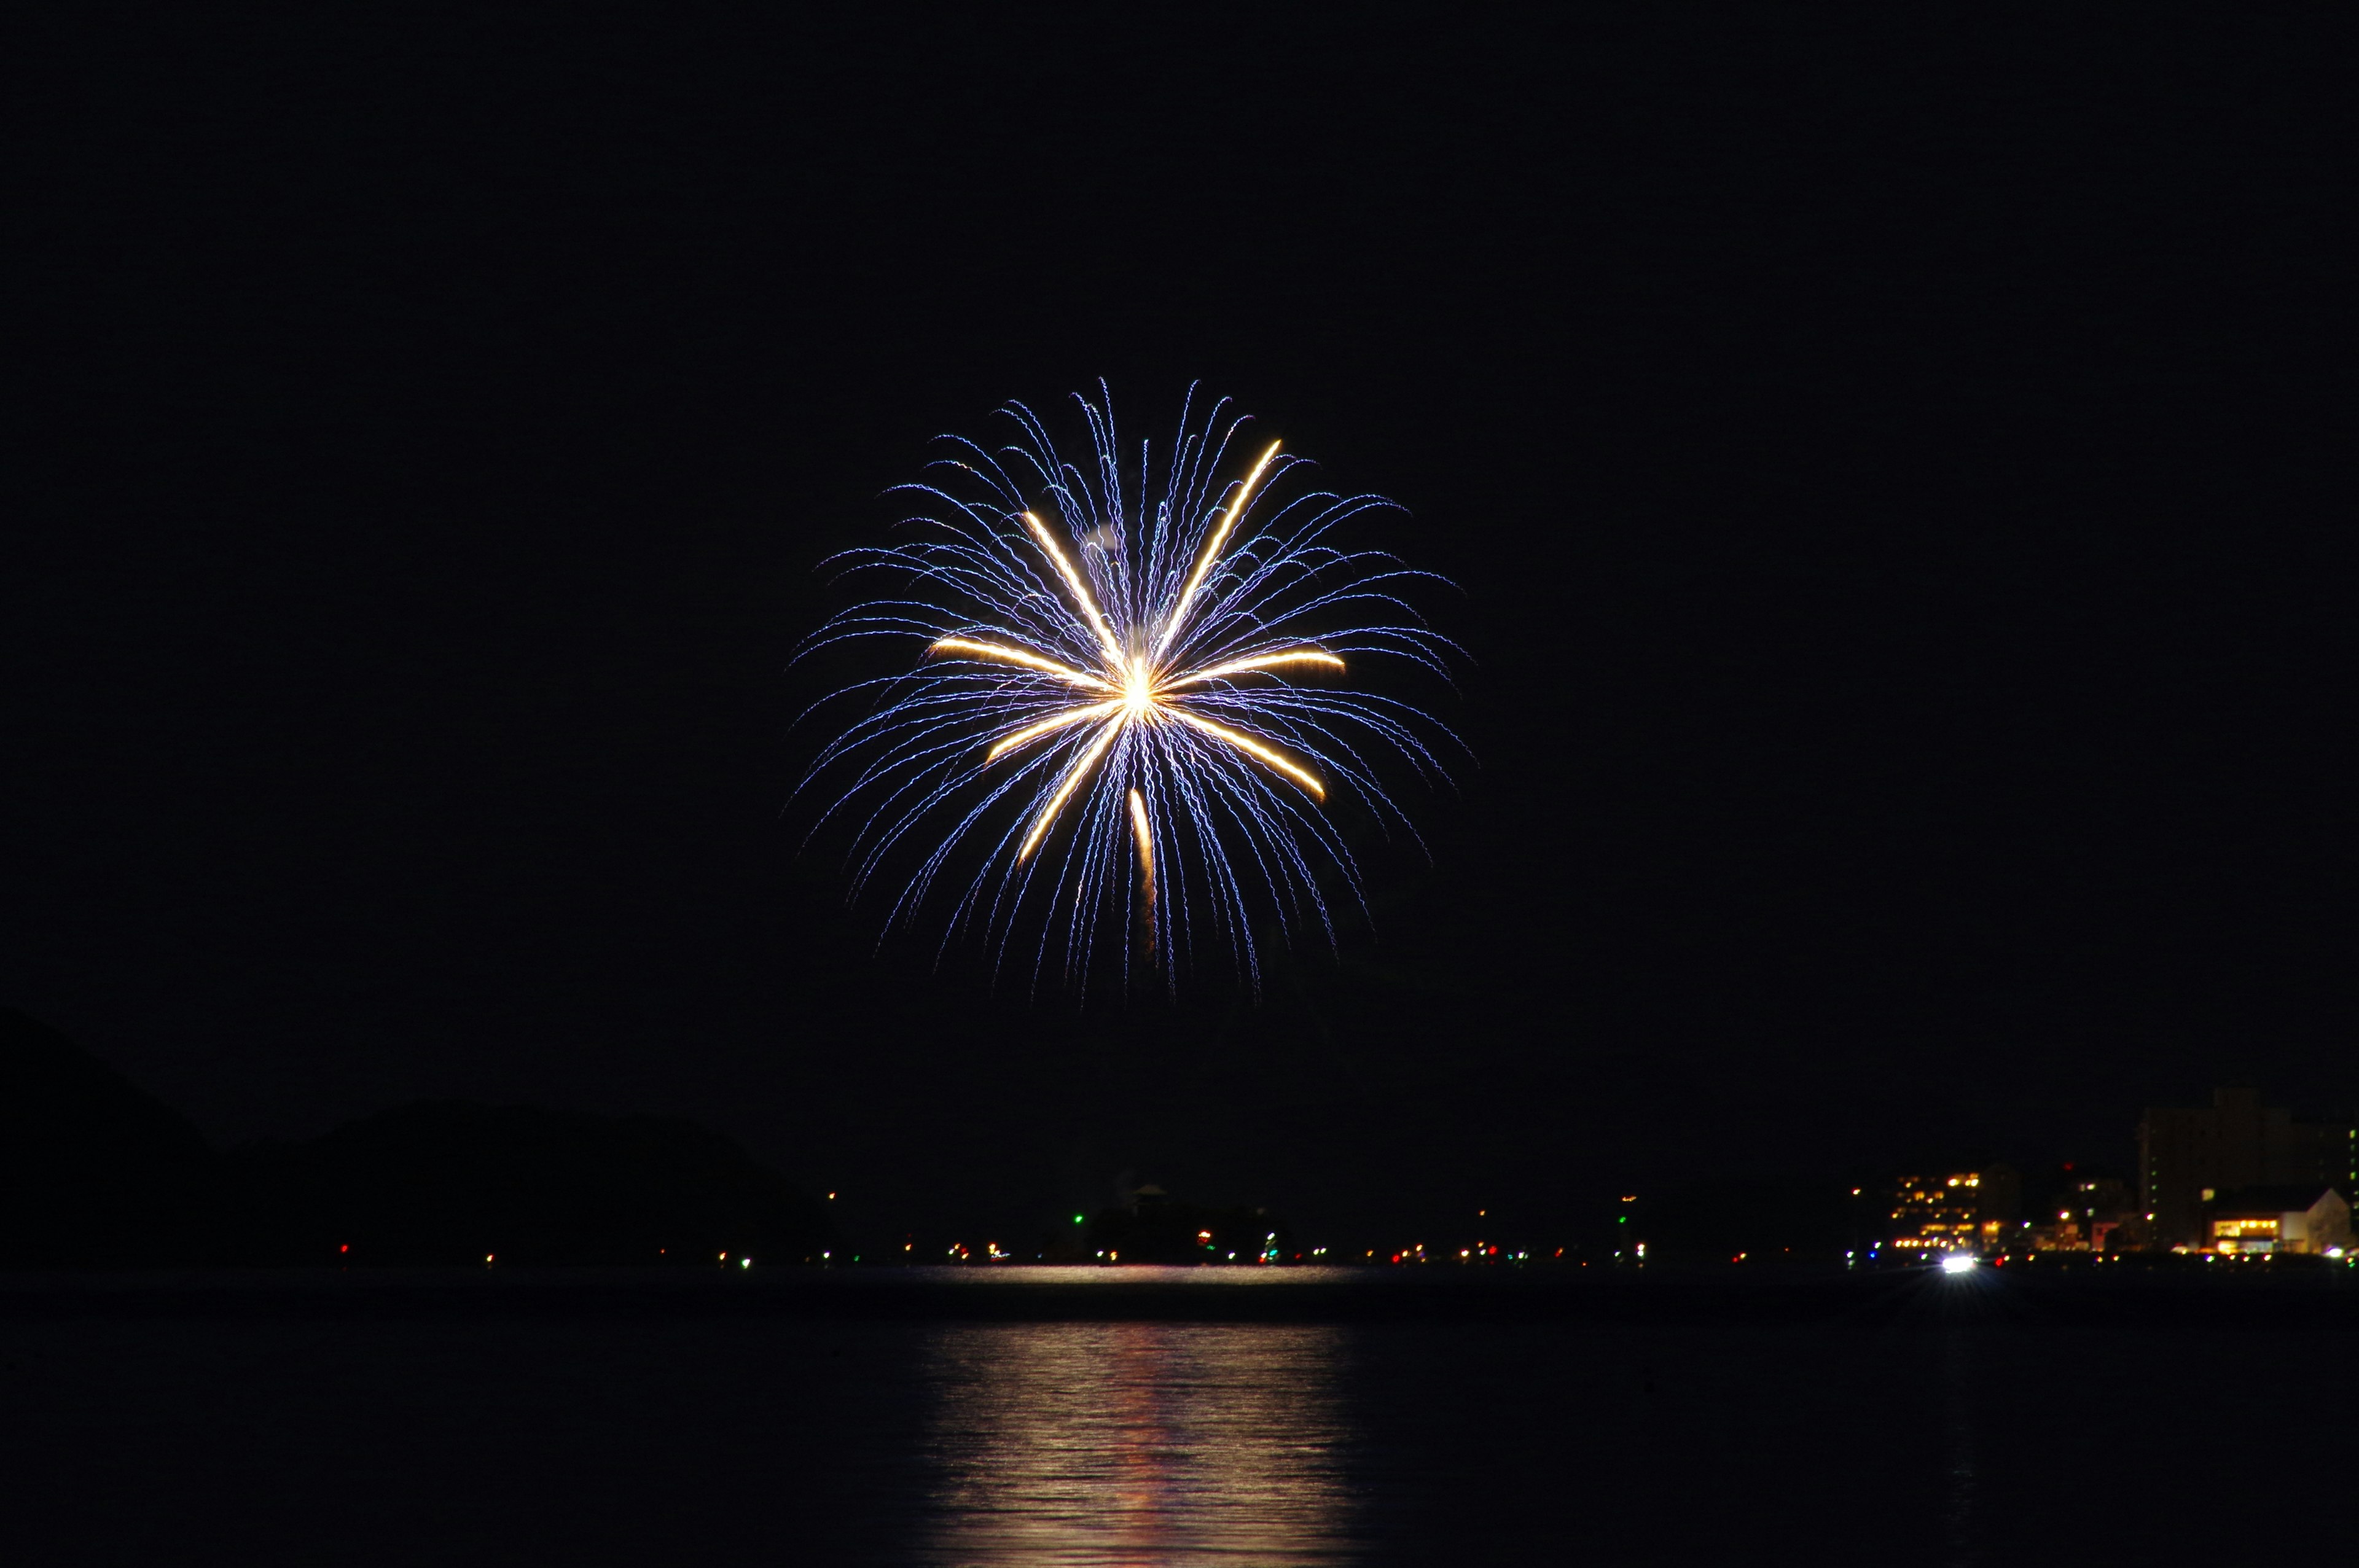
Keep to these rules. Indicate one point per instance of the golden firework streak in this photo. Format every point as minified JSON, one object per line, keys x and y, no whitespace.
{"x":1049,"y":726}
{"x":1253,"y":748}
{"x":1146,"y":860}
{"x":1081,"y":588}
{"x":1211,"y":551}
{"x":1073,"y":777}
{"x":1259,"y":662}
{"x":999,"y":653}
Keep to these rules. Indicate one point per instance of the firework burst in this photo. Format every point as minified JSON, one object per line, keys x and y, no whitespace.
{"x":1127,"y":706}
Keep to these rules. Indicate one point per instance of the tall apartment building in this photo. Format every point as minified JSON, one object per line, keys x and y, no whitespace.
{"x":2186,"y":1156}
{"x":1962,"y":1212}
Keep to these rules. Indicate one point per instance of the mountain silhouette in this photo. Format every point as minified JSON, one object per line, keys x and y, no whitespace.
{"x":92,"y":1169}
{"x":95,"y":1171}
{"x":449,"y":1182}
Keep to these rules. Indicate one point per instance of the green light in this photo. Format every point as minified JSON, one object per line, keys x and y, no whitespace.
{"x":1077,"y":1219}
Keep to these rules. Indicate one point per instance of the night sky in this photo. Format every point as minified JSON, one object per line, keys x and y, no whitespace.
{"x":1891,"y":473}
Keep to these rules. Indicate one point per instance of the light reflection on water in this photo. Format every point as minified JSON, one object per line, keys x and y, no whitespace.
{"x":1134,"y":1443}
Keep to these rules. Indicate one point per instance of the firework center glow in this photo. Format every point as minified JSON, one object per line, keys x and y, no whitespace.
{"x":1138,"y":690}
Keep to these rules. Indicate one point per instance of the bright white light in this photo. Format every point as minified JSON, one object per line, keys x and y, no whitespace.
{"x":1958,"y":1263}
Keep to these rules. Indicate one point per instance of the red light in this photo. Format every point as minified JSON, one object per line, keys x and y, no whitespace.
{"x":345,"y":1248}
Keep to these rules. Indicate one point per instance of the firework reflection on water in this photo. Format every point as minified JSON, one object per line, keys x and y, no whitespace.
{"x":1135,"y":1443}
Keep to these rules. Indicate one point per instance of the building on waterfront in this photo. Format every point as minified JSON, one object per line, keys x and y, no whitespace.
{"x":1959,"y":1211}
{"x":2187,"y":1157}
{"x":2303,"y":1218}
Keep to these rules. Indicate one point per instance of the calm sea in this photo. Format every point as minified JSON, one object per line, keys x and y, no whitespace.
{"x":312,"y":1423}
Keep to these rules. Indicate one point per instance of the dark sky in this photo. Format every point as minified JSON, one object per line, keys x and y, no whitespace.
{"x":1892,"y":471}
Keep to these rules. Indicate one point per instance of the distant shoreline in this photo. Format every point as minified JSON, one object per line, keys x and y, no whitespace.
{"x":2312,"y":1299}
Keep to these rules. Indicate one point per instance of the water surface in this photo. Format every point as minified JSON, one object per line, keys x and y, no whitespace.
{"x":617,"y":1431}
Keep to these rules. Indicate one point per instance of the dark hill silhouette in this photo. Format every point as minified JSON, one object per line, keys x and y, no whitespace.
{"x":95,"y":1171}
{"x":92,"y":1169}
{"x":448,"y":1182}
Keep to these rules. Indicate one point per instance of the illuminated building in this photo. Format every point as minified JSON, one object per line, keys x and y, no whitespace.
{"x":2305,"y":1218}
{"x":1963,"y":1211}
{"x":2187,"y":1155}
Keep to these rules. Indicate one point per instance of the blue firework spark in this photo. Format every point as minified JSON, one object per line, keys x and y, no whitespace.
{"x":1128,"y":708}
